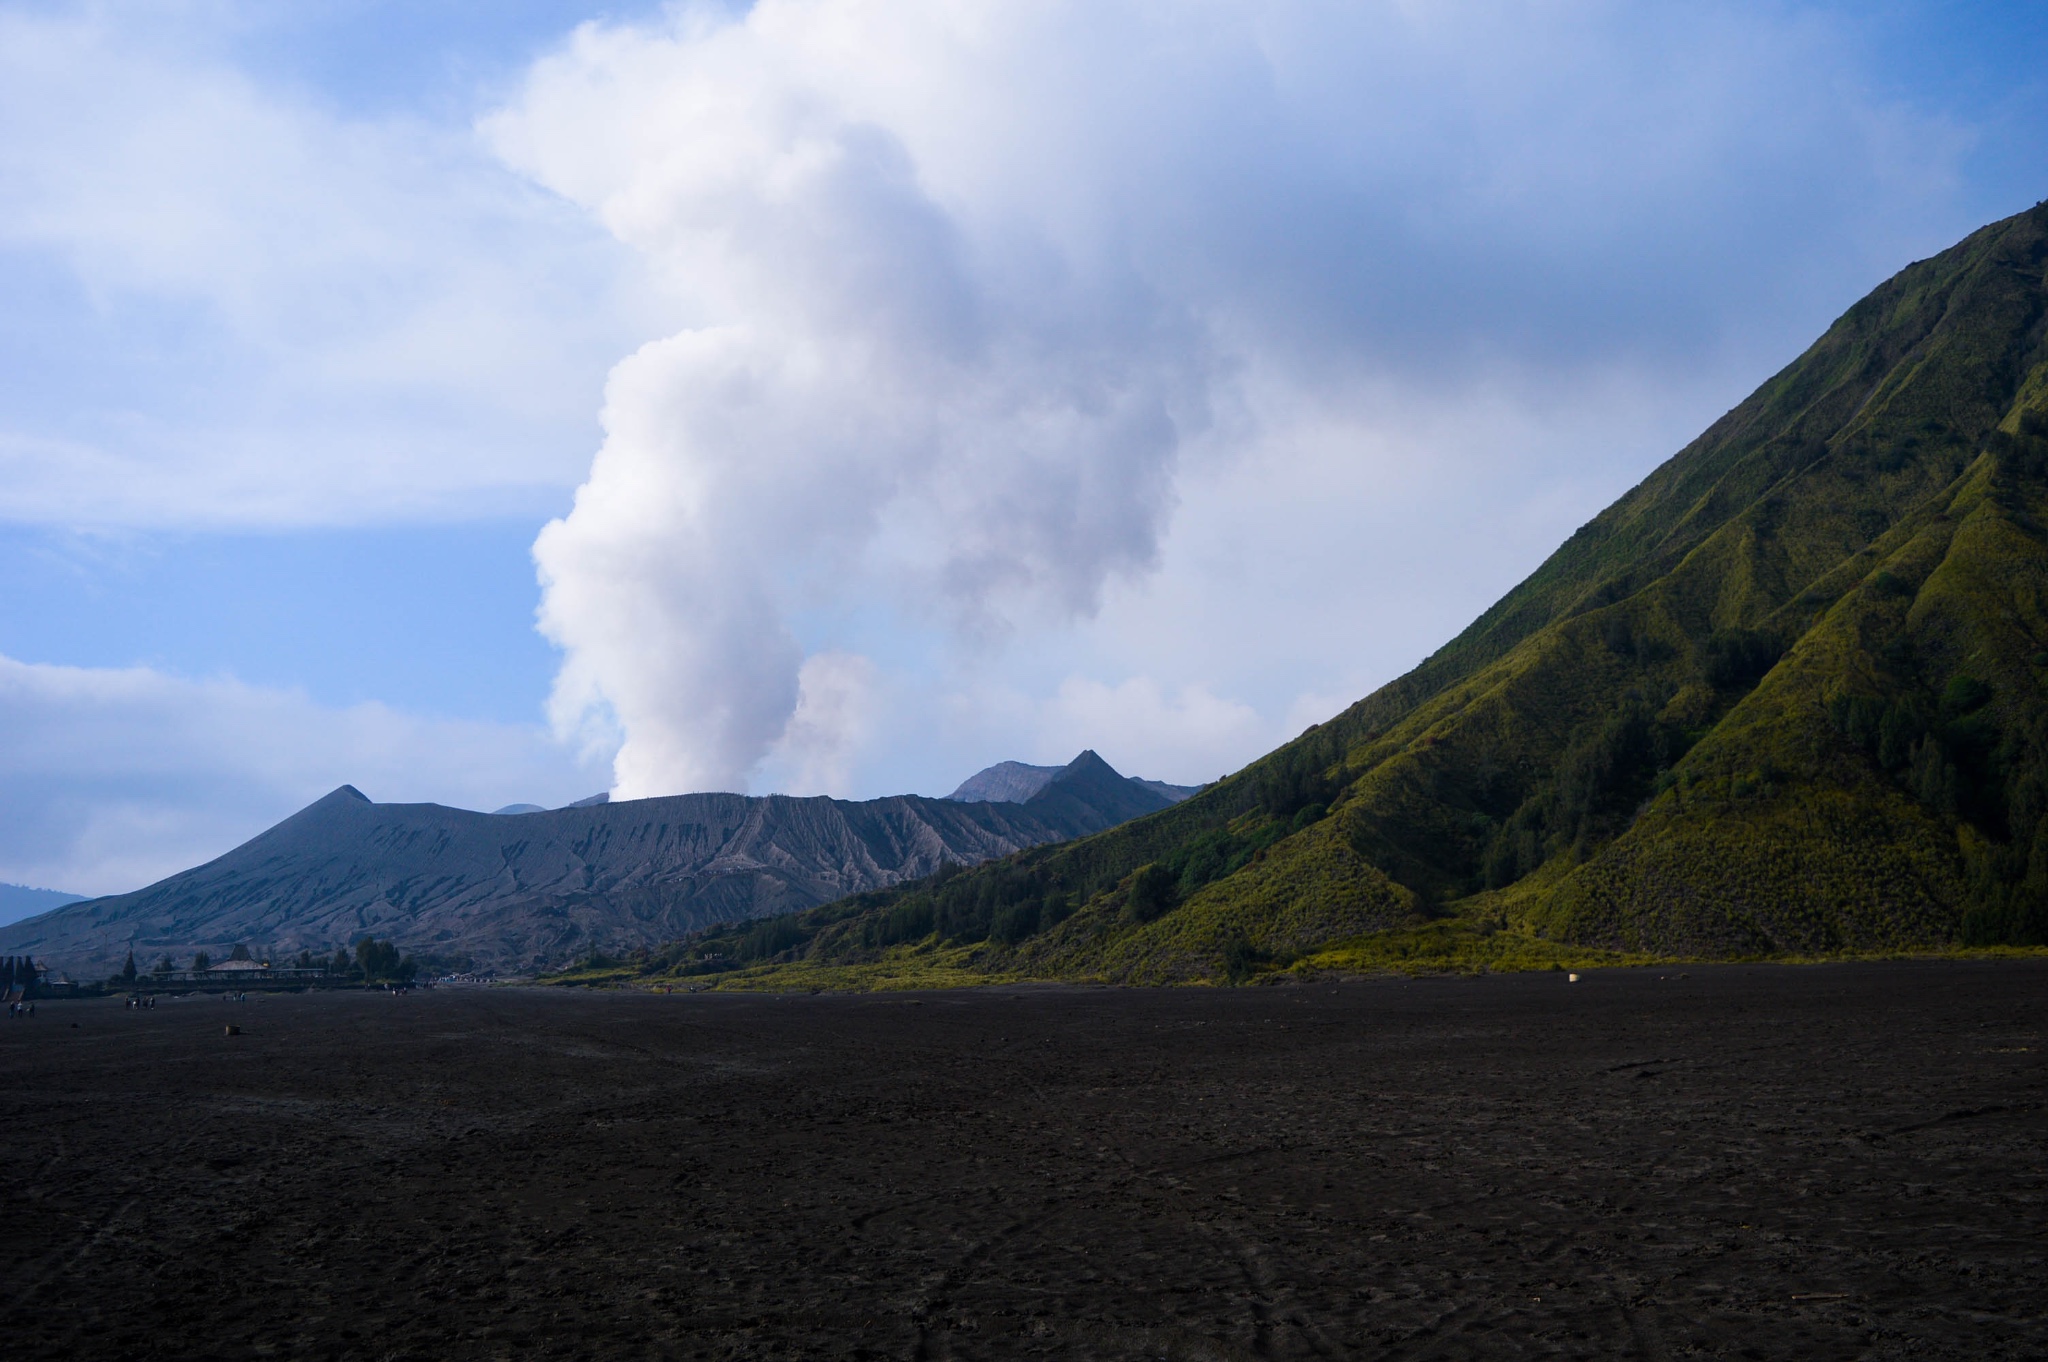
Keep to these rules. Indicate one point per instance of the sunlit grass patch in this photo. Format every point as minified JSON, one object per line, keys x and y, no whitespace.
{"x":1456,"y":945}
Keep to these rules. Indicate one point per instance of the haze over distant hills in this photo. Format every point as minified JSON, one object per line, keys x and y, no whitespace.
{"x":526,"y":885}
{"x":18,"y":901}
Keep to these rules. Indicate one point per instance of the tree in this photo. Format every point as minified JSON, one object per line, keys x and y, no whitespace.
{"x":201,"y":961}
{"x":770,"y":937}
{"x":1014,"y":922}
{"x":1736,"y":659}
{"x":910,"y":920}
{"x":1151,"y":893}
{"x":341,"y":964}
{"x":128,"y":970}
{"x":164,"y":966}
{"x":380,"y":962}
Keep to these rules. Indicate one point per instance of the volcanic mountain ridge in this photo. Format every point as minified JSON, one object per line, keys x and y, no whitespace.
{"x":516,"y":890}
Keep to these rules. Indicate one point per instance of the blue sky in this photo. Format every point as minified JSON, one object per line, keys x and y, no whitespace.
{"x":905,"y":387}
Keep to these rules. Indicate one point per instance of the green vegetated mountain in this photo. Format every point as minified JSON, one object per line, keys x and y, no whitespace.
{"x":529,"y":887}
{"x":1784,"y":697}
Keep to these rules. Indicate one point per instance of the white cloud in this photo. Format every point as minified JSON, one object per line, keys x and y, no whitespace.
{"x":113,"y":778}
{"x":1178,"y":368}
{"x":232,"y":306}
{"x":835,"y":717}
{"x":1348,"y":535}
{"x":976,"y":295}
{"x":1188,"y":736}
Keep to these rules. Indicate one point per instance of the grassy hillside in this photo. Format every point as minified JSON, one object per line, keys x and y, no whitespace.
{"x":1784,"y":697}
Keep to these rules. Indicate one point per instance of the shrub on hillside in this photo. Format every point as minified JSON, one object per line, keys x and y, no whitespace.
{"x":1151,"y":895}
{"x":1736,"y":659}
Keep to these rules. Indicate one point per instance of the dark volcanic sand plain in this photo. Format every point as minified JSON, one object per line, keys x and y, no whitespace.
{"x":1753,"y":1162}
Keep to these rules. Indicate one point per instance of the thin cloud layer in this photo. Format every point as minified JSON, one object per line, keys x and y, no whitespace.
{"x":111,"y":778}
{"x":972,"y":291}
{"x":227,"y":305}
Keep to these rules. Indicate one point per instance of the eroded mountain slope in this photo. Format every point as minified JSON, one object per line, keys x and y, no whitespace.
{"x":514,"y":890}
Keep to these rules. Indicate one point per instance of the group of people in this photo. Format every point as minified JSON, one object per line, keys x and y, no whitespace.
{"x":142,"y":1001}
{"x":21,"y":1009}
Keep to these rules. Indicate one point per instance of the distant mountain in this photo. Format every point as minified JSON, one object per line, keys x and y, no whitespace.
{"x":1006,"y":782}
{"x":513,"y":890}
{"x":1089,"y":788}
{"x":1789,"y":695}
{"x":1173,"y":794}
{"x":520,"y":808}
{"x":18,"y":901}
{"x":1014,"y":782}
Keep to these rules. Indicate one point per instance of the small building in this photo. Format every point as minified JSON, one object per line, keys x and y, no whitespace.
{"x":240,"y":974}
{"x":239,"y":969}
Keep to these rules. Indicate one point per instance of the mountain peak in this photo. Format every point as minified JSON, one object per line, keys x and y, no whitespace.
{"x":1006,"y":782}
{"x":1090,"y":782}
{"x":1014,"y":782}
